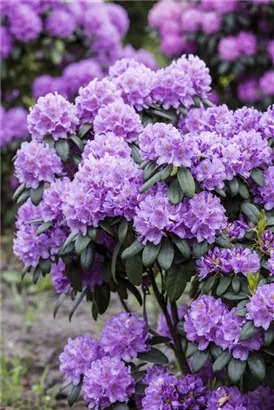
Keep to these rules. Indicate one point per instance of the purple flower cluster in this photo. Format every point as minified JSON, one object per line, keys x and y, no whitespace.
{"x":267,"y":241}
{"x":227,"y":398}
{"x":265,"y":194}
{"x":52,"y":115}
{"x":228,"y":262}
{"x":261,"y":306}
{"x":13,"y":125}
{"x":60,"y":23}
{"x":233,"y":47}
{"x":36,"y":162}
{"x":209,"y":320}
{"x":166,"y":391}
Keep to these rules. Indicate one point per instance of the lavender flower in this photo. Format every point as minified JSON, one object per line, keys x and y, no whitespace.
{"x":60,"y":23}
{"x":6,"y":42}
{"x":162,"y":327}
{"x":107,"y":143}
{"x":267,"y":122}
{"x":58,"y":277}
{"x":78,"y":356}
{"x":118,"y":17}
{"x":228,"y":48}
{"x":248,"y":91}
{"x":265,"y":194}
{"x":13,"y":125}
{"x":260,"y":399}
{"x":24,"y":23}
{"x":247,"y":43}
{"x":267,"y":83}
{"x":267,"y":241}
{"x":45,"y":84}
{"x":260,"y":307}
{"x":124,"y":336}
{"x":119,"y":118}
{"x":107,"y":381}
{"x":36,"y":162}
{"x":97,"y":94}
{"x":53,"y":115}
{"x":270,"y":263}
{"x":227,"y":398}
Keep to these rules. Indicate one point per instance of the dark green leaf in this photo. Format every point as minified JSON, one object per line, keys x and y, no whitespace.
{"x":107,"y":228}
{"x":223,"y":241}
{"x":240,"y":312}
{"x":224,"y":282}
{"x":77,"y":302}
{"x":221,"y":361}
{"x":132,"y":250}
{"x":134,"y":269}
{"x":92,"y":233}
{"x":94,"y":311}
{"x":74,"y":394}
{"x":248,"y":331}
{"x":44,"y":227}
{"x":107,"y":274}
{"x":186,"y":181}
{"x":236,"y":369}
{"x":36,"y":274}
{"x":115,"y":253}
{"x":192,"y":348}
{"x":256,"y":365}
{"x":197,"y":101}
{"x":74,"y":276}
{"x":166,"y":254}
{"x":200,"y":249}
{"x":208,"y":284}
{"x":150,"y":253}
{"x":36,"y":194}
{"x":84,"y":129}
{"x":45,"y":265}
{"x":199,"y":360}
{"x":81,"y":243}
{"x":234,"y":186}
{"x":236,"y":284}
{"x":23,"y":197}
{"x":86,"y":257}
{"x":68,"y":241}
{"x":102,"y":297}
{"x":181,"y":328}
{"x":258,"y":176}
{"x":122,"y":231}
{"x":251,"y":211}
{"x":243,"y":191}
{"x":140,"y":388}
{"x":133,"y":290}
{"x":18,"y":191}
{"x":175,"y":193}
{"x":153,"y":180}
{"x":138,"y":375}
{"x":156,"y":340}
{"x":166,"y":172}
{"x":221,"y":192}
{"x":77,"y":142}
{"x":176,"y":281}
{"x":268,"y":337}
{"x":182,"y":245}
{"x":136,"y":155}
{"x":62,"y":149}
{"x":153,"y":356}
{"x":59,"y":302}
{"x":149,"y":170}
{"x":233,"y":296}
{"x":25,"y":271}
{"x":216,"y":351}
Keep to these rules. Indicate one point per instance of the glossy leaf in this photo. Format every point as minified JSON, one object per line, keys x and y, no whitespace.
{"x":186,"y":182}
{"x":166,"y":254}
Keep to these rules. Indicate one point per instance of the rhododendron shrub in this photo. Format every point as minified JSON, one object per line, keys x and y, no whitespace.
{"x":141,"y":187}
{"x":234,"y":38}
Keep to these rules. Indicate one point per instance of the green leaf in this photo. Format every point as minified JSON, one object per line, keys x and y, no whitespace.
{"x":224,"y":283}
{"x":243,"y":191}
{"x":132,"y":250}
{"x":81,"y":242}
{"x":236,"y":284}
{"x":62,"y":149}
{"x":176,"y":281}
{"x":182,"y":245}
{"x":94,"y":311}
{"x":175,"y":193}
{"x":150,"y":253}
{"x":192,"y":348}
{"x":86,"y":257}
{"x":115,"y":253}
{"x":166,"y":172}
{"x":153,"y":356}
{"x":208,"y":284}
{"x":240,"y":312}
{"x":77,"y":142}
{"x":107,"y":228}
{"x":216,"y":351}
{"x":221,"y":361}
{"x":77,"y":302}
{"x":186,"y":182}
{"x":23,"y":197}
{"x":236,"y":369}
{"x":102,"y":297}
{"x":45,"y":265}
{"x":59,"y":303}
{"x":18,"y":191}
{"x":133,"y":290}
{"x":251,"y":211}
{"x":122,"y":231}
{"x":36,"y":274}
{"x":157,"y":340}
{"x":153,"y":180}
{"x":233,"y":296}
{"x":199,"y":360}
{"x":234,"y":186}
{"x":200,"y":249}
{"x":92,"y":233}
{"x":74,"y":394}
{"x":223,"y":241}
{"x":248,"y":331}
{"x":119,"y":406}
{"x":134,"y":269}
{"x":256,"y":365}
{"x":135,"y":153}
{"x":149,"y":170}
{"x":44,"y":227}
{"x":84,"y":129}
{"x":36,"y":194}
{"x":166,"y":254}
{"x":258,"y":176}
{"x":68,"y":241}
{"x":74,"y":276}
{"x":268,"y":337}
{"x":197,"y":101}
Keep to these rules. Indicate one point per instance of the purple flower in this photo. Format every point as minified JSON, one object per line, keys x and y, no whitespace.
{"x":227,"y":398}
{"x":270,"y":263}
{"x":267,"y":122}
{"x":78,"y":356}
{"x":140,"y":56}
{"x":156,"y":216}
{"x":45,"y":84}
{"x":260,"y":308}
{"x":203,"y":320}
{"x":228,"y":48}
{"x":52,"y":115}
{"x":236,"y":229}
{"x":53,"y":197}
{"x":173,"y":45}
{"x":270,"y":50}
{"x":267,"y":83}
{"x":119,"y":118}
{"x":191,"y":20}
{"x":94,"y":277}
{"x":204,"y":217}
{"x":13,"y":125}
{"x":248,"y":91}
{"x":247,"y":43}
{"x":107,"y":143}
{"x":247,"y":119}
{"x":6,"y":42}
{"x":107,"y":381}
{"x":58,"y":277}
{"x":79,"y":74}
{"x":118,"y":17}
{"x":265,"y":194}
{"x":24,"y":23}
{"x":60,"y":23}
{"x":95,"y":95}
{"x":168,"y":392}
{"x":211,"y":22}
{"x":124,"y":336}
{"x":267,"y":241}
{"x":162,"y":327}
{"x":260,"y":399}
{"x":36,"y":162}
